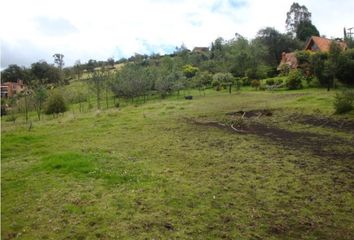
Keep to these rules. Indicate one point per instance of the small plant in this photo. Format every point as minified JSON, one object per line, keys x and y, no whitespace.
{"x":270,"y":81}
{"x":245,"y":81}
{"x":11,"y":118}
{"x":255,"y":84}
{"x":344,"y":101}
{"x":295,"y":79}
{"x":216,"y":84}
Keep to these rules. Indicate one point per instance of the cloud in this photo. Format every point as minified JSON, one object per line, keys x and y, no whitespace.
{"x":107,"y":28}
{"x":54,"y":27}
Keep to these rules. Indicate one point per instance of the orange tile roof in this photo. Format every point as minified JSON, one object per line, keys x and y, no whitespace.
{"x":323,"y":44}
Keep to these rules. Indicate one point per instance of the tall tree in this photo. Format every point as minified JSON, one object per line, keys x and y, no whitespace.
{"x":40,"y":95}
{"x":59,"y":60}
{"x":96,"y":81}
{"x":305,"y":30}
{"x":276,"y":43}
{"x":78,"y":69}
{"x":295,"y":16}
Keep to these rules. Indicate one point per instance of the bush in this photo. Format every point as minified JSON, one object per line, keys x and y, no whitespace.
{"x":295,"y":79}
{"x":245,"y":81}
{"x":344,"y":101}
{"x":270,"y":81}
{"x":255,"y":84}
{"x":55,"y":104}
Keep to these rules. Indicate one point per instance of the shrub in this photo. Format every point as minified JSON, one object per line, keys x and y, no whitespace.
{"x":55,"y":104}
{"x":215,"y":83}
{"x":270,"y":81}
{"x":255,"y":84}
{"x":279,"y":81}
{"x":245,"y":81}
{"x":295,"y":79}
{"x":344,"y":101}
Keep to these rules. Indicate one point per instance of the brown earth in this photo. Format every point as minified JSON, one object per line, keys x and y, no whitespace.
{"x":317,"y":143}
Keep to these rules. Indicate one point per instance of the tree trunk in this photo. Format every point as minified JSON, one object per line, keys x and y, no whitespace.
{"x":26,"y":108}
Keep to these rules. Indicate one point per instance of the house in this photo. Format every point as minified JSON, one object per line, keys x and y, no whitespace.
{"x":200,"y":49}
{"x":9,"y":89}
{"x":288,"y":59}
{"x":320,"y":44}
{"x":314,"y":44}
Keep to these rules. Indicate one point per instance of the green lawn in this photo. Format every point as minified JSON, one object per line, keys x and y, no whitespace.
{"x":150,"y":171}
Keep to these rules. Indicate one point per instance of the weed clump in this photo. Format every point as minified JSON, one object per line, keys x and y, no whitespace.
{"x":344,"y":101}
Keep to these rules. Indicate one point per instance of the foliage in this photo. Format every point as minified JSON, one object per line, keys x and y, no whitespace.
{"x":133,"y":80}
{"x":294,"y":80}
{"x":59,"y":60}
{"x":345,"y":70}
{"x":40,"y":95}
{"x":189,"y":71}
{"x":276,"y":43}
{"x":12,"y":73}
{"x":270,"y":81}
{"x":255,"y":84}
{"x":344,"y":101}
{"x":305,"y":30}
{"x":96,"y":82}
{"x":296,"y":15}
{"x":110,"y":62}
{"x":46,"y":73}
{"x":55,"y":103}
{"x":224,"y":78}
{"x":78,"y":69}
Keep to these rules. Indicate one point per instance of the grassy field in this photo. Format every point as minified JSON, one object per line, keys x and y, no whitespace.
{"x":175,"y":169}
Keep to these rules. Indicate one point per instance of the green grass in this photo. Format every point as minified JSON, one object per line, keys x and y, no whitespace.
{"x":145,"y":172}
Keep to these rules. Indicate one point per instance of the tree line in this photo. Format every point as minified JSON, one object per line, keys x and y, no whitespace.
{"x":225,"y":64}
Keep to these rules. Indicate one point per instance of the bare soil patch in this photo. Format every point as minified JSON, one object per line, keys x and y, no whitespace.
{"x":322,"y":121}
{"x":250,"y":122}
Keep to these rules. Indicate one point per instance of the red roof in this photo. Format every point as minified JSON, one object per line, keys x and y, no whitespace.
{"x":322,"y":44}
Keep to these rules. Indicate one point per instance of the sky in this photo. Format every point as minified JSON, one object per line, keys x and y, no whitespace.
{"x":33,"y":30}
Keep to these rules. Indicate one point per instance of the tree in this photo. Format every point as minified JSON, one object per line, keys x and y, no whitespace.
{"x":96,"y":82}
{"x":225,"y":79}
{"x":46,"y":73}
{"x":78,"y":69}
{"x":345,"y":71}
{"x":189,"y":71}
{"x":333,"y":62}
{"x":305,"y":30}
{"x":59,"y":60}
{"x":12,"y":73}
{"x":295,"y":16}
{"x":110,"y":62}
{"x":40,"y":95}
{"x":133,"y":80}
{"x":276,"y":43}
{"x":202,"y":80}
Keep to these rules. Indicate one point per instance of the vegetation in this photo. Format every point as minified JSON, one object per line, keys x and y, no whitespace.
{"x":344,"y":101}
{"x":55,"y":104}
{"x":148,"y":164}
{"x":150,"y":171}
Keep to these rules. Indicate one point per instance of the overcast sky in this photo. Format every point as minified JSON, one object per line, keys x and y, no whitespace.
{"x":32,"y":30}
